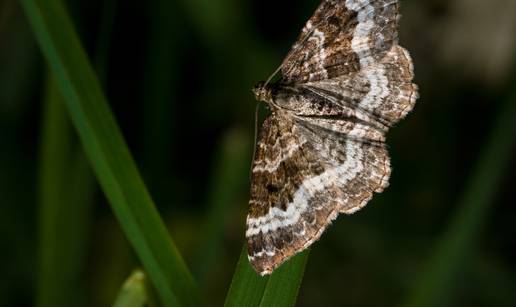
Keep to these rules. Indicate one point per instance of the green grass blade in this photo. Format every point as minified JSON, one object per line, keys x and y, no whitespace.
{"x":283,"y":285}
{"x":66,"y":196}
{"x":132,"y":293}
{"x":247,"y":286}
{"x":66,"y":188}
{"x":457,"y":242}
{"x":280,"y":289}
{"x":108,"y":153}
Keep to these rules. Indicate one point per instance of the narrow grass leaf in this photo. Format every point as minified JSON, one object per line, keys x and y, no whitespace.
{"x":66,"y":195}
{"x":283,"y":285}
{"x":247,"y":286}
{"x":280,"y":289}
{"x":458,"y":240}
{"x":108,"y":153}
{"x":64,"y":217}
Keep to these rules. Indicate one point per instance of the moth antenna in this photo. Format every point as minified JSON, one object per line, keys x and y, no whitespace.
{"x":255,"y":139}
{"x":272,"y":76}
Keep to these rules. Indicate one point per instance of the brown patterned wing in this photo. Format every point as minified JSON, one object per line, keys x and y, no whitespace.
{"x":341,"y":37}
{"x":382,"y":92}
{"x":305,"y":173}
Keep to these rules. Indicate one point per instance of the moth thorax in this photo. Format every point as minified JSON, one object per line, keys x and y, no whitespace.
{"x":262,"y":92}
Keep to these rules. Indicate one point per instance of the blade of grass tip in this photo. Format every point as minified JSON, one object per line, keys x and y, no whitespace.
{"x":279,"y":289}
{"x":137,"y":291}
{"x":108,"y":153}
{"x":132,"y":293}
{"x":229,"y":179}
{"x":457,"y":242}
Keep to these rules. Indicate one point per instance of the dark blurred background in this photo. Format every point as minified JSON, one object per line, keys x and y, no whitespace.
{"x":178,"y":76}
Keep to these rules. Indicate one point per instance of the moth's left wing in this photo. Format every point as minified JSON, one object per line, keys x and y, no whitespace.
{"x":304,"y":174}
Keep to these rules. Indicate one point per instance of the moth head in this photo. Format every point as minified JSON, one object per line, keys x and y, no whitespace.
{"x":262,"y":92}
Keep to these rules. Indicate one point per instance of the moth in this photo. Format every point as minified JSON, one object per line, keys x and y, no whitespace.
{"x":322,"y":151}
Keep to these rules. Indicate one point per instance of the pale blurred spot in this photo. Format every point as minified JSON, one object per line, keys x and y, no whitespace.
{"x":479,"y":38}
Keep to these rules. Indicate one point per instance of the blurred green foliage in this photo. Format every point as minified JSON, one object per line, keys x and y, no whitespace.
{"x":178,"y":74}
